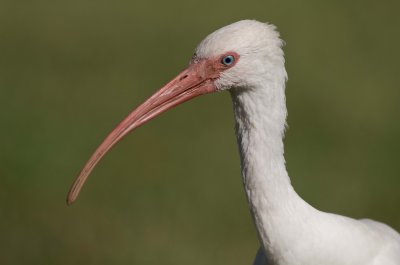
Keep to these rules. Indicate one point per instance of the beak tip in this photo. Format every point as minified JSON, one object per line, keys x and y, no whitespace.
{"x":70,"y":201}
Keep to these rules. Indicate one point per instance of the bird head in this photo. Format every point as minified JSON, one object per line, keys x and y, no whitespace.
{"x":236,"y":56}
{"x":245,"y":52}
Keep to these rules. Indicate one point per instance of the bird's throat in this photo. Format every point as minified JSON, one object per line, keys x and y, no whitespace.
{"x":260,"y":117}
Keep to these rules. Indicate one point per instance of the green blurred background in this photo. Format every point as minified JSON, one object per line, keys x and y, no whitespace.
{"x":171,"y":193}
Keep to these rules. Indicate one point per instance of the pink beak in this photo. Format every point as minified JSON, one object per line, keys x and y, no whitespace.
{"x":194,"y":81}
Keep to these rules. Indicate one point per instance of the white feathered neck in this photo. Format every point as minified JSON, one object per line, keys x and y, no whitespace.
{"x":290,"y":230}
{"x":260,"y":118}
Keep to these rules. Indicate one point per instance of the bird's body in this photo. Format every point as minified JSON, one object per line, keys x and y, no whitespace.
{"x":291,"y":232}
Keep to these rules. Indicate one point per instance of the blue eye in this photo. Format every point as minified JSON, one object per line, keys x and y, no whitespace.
{"x":228,"y":60}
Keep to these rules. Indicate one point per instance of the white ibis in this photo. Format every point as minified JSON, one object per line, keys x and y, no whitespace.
{"x":246,"y":58}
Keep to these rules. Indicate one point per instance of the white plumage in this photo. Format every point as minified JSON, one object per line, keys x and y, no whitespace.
{"x":246,"y":58}
{"x":290,"y":230}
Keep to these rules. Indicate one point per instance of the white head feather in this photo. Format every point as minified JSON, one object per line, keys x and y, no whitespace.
{"x":258,"y":45}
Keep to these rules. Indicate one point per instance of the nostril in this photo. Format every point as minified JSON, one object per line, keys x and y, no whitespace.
{"x":183,"y":77}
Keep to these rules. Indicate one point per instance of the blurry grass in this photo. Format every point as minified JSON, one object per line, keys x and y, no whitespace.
{"x":171,"y":193}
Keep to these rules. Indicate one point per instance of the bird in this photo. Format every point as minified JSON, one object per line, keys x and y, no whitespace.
{"x":246,"y":58}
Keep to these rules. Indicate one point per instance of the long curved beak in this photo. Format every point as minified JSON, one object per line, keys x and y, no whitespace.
{"x":192,"y":82}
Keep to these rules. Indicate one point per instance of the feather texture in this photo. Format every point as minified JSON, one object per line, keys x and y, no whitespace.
{"x":291,"y":232}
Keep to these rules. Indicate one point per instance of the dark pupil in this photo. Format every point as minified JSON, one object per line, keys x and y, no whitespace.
{"x":228,"y":60}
